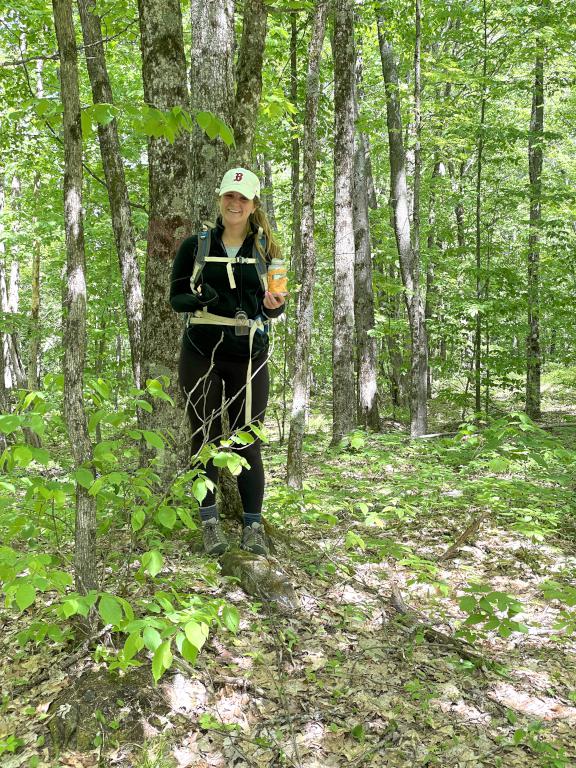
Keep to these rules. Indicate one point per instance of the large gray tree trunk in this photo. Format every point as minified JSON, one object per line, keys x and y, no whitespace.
{"x":115,"y":182}
{"x":535,"y":159}
{"x":409,"y":264}
{"x":305,"y":305}
{"x":343,"y":382}
{"x":211,"y":90}
{"x":366,"y":354}
{"x":296,"y":250}
{"x":249,"y":80}
{"x":75,"y":303}
{"x":164,"y":78}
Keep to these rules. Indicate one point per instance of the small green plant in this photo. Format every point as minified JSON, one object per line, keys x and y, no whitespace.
{"x":549,"y":755}
{"x":489,"y":610}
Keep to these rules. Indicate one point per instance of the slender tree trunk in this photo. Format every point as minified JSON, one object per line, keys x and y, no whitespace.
{"x":249,"y":79}
{"x":296,"y":250}
{"x":34,"y":344}
{"x":211,"y":90}
{"x":18,"y":371}
{"x":478,"y":244}
{"x":366,"y":356}
{"x":343,"y":381}
{"x":305,"y":306}
{"x":268,"y":195}
{"x":409,"y":263}
{"x":535,"y":159}
{"x":164,"y":78}
{"x":115,"y":182}
{"x":75,"y":308}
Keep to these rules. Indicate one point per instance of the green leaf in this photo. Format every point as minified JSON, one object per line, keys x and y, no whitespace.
{"x":153,"y":439}
{"x":184,"y":515}
{"x":83,"y":477}
{"x":25,"y":595}
{"x":110,"y":610}
{"x":358,"y":733}
{"x":133,"y":645}
{"x":162,"y":660}
{"x":231,"y":618}
{"x":137,"y":518}
{"x":196,"y":633}
{"x":199,"y":489}
{"x":189,"y":651}
{"x":144,"y":405}
{"x":152,"y":562}
{"x":151,"y":638}
{"x":468,"y":604}
{"x":22,"y":455}
{"x":166,"y":516}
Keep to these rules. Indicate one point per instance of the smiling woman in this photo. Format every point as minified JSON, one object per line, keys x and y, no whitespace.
{"x":219,"y":278}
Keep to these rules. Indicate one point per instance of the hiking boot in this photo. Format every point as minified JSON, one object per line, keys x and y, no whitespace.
{"x":215,"y":542}
{"x":254,"y":539}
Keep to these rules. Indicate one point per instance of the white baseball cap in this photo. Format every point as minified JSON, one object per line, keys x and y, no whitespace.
{"x":240,"y":180}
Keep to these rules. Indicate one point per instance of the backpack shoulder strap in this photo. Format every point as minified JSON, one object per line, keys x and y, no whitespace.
{"x":202,"y":251}
{"x":259,"y":259}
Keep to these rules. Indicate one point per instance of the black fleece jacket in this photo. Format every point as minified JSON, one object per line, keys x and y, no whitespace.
{"x":248,"y":296}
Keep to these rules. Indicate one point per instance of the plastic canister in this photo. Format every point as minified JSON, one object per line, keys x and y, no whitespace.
{"x":277,"y":277}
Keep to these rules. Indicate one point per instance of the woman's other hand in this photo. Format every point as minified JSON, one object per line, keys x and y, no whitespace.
{"x":273,"y":300}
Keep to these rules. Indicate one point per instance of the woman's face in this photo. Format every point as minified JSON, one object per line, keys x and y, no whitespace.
{"x":235,"y":209}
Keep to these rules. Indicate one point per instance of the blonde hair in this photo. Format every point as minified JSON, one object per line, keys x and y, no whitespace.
{"x":258,"y":219}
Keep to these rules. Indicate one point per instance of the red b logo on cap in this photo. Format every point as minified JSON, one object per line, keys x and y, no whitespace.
{"x":239,"y":177}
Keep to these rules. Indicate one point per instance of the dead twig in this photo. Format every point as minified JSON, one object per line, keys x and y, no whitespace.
{"x":466,"y":535}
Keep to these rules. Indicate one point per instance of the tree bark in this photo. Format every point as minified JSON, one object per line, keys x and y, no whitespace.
{"x":211,"y":90}
{"x":164,"y":78}
{"x":409,"y":261}
{"x":296,"y":250}
{"x":34,"y":343}
{"x":343,"y":381}
{"x":535,"y":160}
{"x":305,"y":304}
{"x":115,"y":182}
{"x":75,"y":307}
{"x":366,"y":355}
{"x":249,"y":80}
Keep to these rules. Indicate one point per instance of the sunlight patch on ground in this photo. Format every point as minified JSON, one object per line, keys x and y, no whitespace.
{"x":542,"y":707}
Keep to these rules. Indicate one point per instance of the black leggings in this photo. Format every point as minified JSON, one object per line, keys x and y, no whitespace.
{"x":202,"y":381}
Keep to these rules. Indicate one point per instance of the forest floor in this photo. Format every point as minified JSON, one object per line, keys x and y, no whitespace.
{"x":347,"y":680}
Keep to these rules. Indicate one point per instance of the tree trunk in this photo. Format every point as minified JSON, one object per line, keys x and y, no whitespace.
{"x":478,"y":244}
{"x":343,"y":382}
{"x":409,"y":261}
{"x":305,"y":306}
{"x":249,"y":80}
{"x":296,"y":250}
{"x":34,"y":344}
{"x":211,"y":90}
{"x":535,"y":158}
{"x":75,"y":308}
{"x":366,"y":356}
{"x":115,"y":182}
{"x":164,"y":78}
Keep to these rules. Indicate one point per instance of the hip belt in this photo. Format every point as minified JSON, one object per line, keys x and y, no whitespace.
{"x":203,"y":317}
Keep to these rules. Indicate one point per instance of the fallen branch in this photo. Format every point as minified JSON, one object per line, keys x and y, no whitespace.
{"x":464,"y":537}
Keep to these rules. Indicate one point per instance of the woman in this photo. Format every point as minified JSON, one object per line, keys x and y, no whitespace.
{"x":218,"y":279}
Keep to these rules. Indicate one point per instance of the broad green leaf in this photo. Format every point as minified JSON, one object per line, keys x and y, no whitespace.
{"x":162,"y":660}
{"x":231,"y":618}
{"x":199,"y":489}
{"x":144,"y":405}
{"x":133,"y":645}
{"x":137,"y":518}
{"x":110,"y":610}
{"x":152,"y":562}
{"x":166,"y":516}
{"x":189,"y":651}
{"x":468,"y":604}
{"x":84,"y":477}
{"x":196,"y":633}
{"x":25,"y":595}
{"x":22,"y":455}
{"x":151,"y":638}
{"x":153,"y":439}
{"x":184,"y":515}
